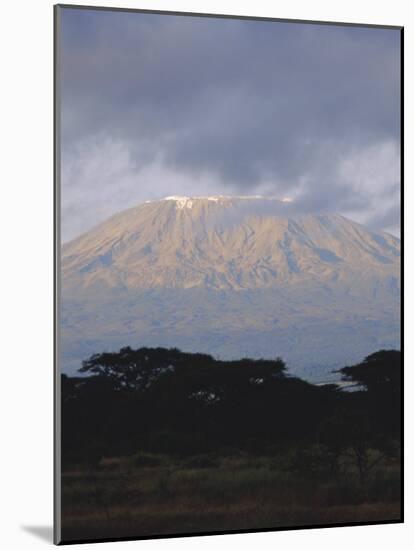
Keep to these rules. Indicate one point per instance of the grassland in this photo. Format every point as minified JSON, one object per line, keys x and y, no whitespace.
{"x":150,"y":494}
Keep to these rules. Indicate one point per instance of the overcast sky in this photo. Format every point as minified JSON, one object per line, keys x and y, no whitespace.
{"x":170,"y":105}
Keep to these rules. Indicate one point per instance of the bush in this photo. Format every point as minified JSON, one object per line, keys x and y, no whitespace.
{"x":147,"y":460}
{"x":200,"y":461}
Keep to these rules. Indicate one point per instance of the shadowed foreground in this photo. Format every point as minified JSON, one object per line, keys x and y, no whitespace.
{"x":159,"y":442}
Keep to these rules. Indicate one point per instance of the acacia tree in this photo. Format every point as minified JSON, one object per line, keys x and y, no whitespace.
{"x":131,"y":369}
{"x":379,"y":373}
{"x":138,"y":369}
{"x":365,"y":428}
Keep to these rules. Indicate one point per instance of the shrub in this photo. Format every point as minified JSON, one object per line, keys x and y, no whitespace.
{"x":200,"y":461}
{"x":147,"y":460}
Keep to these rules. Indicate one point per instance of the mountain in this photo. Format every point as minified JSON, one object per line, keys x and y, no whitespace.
{"x":231,"y":276}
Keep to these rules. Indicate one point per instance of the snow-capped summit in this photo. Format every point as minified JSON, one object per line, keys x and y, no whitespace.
{"x":232,"y":276}
{"x":187,"y":202}
{"x":224,"y":243}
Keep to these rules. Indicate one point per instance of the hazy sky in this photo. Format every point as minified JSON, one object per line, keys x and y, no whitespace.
{"x":170,"y":105}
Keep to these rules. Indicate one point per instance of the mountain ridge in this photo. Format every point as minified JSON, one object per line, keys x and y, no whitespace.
{"x":219,"y":243}
{"x":222,"y":275}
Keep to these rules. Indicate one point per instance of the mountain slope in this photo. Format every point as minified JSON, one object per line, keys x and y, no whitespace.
{"x":227,"y":244}
{"x":231,"y":276}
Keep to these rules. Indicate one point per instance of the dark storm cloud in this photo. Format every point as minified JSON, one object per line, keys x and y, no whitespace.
{"x":236,"y":106}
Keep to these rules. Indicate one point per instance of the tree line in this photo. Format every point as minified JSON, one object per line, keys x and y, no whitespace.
{"x":167,"y":401}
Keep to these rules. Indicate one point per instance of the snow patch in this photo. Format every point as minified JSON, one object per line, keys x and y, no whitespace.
{"x":187,"y":202}
{"x":180,"y":202}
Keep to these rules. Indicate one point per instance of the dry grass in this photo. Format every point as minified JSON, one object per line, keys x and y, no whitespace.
{"x":166,"y":496}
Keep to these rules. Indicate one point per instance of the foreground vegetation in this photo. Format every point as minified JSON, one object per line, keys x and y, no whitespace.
{"x":158,"y":441}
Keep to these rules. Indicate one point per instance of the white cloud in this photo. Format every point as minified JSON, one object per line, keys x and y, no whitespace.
{"x":373,"y":174}
{"x":100,"y":177}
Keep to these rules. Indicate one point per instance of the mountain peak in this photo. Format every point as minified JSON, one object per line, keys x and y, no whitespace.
{"x":210,"y":242}
{"x":183,"y":201}
{"x":230,"y":274}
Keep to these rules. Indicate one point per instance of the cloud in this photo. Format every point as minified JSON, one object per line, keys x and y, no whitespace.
{"x":155,"y":105}
{"x":101,"y":177}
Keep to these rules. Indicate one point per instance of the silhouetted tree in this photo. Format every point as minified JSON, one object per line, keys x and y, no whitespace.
{"x":168,"y":401}
{"x":380,"y":372}
{"x":365,"y":425}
